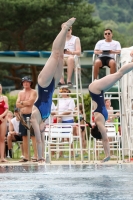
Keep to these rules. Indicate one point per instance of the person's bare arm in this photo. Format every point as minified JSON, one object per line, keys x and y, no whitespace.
{"x":68,"y":112}
{"x":131,"y":53}
{"x":77,"y":49}
{"x":18,"y":105}
{"x":98,"y":51}
{"x":31,"y":100}
{"x":11,"y":129}
{"x":53,"y":112}
{"x":110,"y":113}
{"x":115,"y":51}
{"x":22,"y":104}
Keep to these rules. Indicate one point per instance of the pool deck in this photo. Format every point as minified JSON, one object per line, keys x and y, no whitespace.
{"x":111,"y":162}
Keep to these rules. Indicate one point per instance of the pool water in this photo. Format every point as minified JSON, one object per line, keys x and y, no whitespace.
{"x":76,"y":182}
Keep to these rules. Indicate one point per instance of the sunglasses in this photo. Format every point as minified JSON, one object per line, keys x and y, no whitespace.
{"x":107,"y":33}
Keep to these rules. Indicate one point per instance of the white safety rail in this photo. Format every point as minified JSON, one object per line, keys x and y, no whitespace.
{"x":116,"y":91}
{"x":127,"y":106}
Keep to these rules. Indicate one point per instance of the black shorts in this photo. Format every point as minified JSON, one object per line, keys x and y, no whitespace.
{"x":105,"y":60}
{"x":18,"y":137}
{"x":82,"y":128}
{"x":23,"y":130}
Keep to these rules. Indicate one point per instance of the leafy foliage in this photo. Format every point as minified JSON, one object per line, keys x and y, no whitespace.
{"x":116,"y":14}
{"x":33,"y":25}
{"x":117,"y":10}
{"x":29,"y":25}
{"x":11,"y":102}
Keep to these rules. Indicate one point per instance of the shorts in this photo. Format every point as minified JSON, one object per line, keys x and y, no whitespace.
{"x":18,"y":138}
{"x":23,"y":130}
{"x":82,"y":128}
{"x":68,"y":121}
{"x":65,"y":61}
{"x":105,"y":60}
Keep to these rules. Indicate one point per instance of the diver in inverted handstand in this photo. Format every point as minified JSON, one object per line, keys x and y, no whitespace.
{"x":97,"y":89}
{"x":47,"y":80}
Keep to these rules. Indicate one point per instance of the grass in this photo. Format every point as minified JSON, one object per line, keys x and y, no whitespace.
{"x":17,"y":154}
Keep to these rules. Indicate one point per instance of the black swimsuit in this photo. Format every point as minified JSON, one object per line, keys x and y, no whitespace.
{"x":99,"y":99}
{"x":44,"y":100}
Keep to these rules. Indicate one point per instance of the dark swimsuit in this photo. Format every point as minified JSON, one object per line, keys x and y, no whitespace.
{"x":44,"y":100}
{"x":99,"y":99}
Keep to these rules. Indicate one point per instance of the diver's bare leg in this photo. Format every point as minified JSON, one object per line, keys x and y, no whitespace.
{"x":35,"y":121}
{"x":108,"y":81}
{"x":46,"y":75}
{"x":100,"y":123}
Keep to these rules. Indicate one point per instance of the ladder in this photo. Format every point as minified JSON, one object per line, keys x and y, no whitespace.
{"x":127,"y":105}
{"x":113,"y":94}
{"x":77,"y":95}
{"x":126,"y":114}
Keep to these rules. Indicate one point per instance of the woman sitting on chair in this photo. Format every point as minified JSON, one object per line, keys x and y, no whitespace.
{"x":97,"y":89}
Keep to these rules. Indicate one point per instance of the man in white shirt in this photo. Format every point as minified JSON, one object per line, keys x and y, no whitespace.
{"x":72,"y":47}
{"x":106,"y":50}
{"x":13,"y":134}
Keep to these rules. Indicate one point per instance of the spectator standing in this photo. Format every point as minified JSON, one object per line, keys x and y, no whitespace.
{"x":3,"y":123}
{"x":25,"y":101}
{"x":9,"y":116}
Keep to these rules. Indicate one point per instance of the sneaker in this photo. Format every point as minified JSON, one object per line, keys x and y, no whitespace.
{"x":22,"y":156}
{"x":113,"y":156}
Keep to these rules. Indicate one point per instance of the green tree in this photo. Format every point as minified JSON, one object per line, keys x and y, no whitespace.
{"x":33,"y":25}
{"x":29,"y":25}
{"x":11,"y":102}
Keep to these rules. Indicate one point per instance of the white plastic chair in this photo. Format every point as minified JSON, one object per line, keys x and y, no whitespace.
{"x":117,"y":59}
{"x":54,"y":141}
{"x":114,"y":144}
